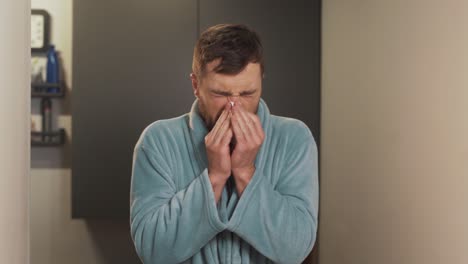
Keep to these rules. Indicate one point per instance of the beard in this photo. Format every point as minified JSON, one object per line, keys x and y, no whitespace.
{"x":206,"y":117}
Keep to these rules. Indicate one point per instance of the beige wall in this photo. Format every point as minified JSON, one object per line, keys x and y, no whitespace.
{"x":394,"y":164}
{"x":56,"y":238}
{"x":14,"y":131}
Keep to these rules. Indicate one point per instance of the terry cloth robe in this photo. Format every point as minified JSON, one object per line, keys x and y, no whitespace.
{"x":173,"y":214}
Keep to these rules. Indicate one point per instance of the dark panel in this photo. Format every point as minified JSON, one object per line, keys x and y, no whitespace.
{"x":131,"y":65}
{"x":290,"y":31}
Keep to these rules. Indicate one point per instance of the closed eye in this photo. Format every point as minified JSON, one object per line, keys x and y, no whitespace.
{"x":226,"y":94}
{"x":219,"y":95}
{"x":248,"y":93}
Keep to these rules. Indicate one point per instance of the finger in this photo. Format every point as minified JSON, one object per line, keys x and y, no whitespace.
{"x":250,"y":130}
{"x":223,"y":123}
{"x":254,"y":120}
{"x":236,"y":127}
{"x":227,"y":137}
{"x":222,"y":130}
{"x":243,"y":131}
{"x":256,"y":123}
{"x":219,"y":122}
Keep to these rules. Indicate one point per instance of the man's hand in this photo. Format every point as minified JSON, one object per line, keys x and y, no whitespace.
{"x":249,"y":135}
{"x":217,"y":150}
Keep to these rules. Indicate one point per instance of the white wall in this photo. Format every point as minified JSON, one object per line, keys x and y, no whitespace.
{"x":394,"y":164}
{"x":14,"y":130}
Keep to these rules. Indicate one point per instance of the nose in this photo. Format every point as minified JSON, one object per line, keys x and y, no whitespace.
{"x":233,"y":98}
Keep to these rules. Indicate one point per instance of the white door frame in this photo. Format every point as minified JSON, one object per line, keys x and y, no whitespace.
{"x":15,"y":122}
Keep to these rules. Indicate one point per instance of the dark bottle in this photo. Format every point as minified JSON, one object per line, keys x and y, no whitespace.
{"x":46,"y":111}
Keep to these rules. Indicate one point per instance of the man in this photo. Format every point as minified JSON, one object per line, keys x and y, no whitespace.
{"x":227,"y":182}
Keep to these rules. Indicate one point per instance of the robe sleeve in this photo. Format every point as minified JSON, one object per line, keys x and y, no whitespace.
{"x":169,"y":226}
{"x":280,"y":221}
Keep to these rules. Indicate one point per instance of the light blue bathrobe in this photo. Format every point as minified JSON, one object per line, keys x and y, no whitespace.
{"x":174,"y":217}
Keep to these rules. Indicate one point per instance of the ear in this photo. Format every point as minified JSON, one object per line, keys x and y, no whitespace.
{"x":195,"y":87}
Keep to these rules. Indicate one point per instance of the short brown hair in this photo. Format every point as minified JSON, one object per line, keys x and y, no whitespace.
{"x":235,"y":44}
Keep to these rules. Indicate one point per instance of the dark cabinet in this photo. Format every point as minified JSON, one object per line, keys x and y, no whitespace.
{"x":131,"y":65}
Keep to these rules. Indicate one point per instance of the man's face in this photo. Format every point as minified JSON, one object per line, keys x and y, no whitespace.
{"x":214,"y":90}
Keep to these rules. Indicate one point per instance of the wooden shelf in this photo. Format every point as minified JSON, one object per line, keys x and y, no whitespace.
{"x":54,"y":138}
{"x":47,"y":90}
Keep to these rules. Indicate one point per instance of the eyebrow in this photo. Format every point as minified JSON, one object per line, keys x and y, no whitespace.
{"x":220,"y":92}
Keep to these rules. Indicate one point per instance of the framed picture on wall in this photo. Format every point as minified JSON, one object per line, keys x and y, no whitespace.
{"x":40,"y":30}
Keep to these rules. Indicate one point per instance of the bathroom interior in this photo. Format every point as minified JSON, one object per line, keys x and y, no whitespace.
{"x":382,"y":85}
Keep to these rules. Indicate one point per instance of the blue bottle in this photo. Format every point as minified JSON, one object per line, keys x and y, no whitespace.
{"x":52,"y":69}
